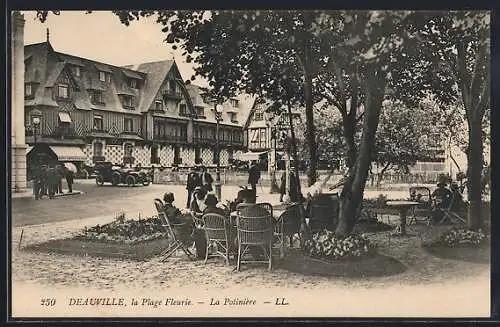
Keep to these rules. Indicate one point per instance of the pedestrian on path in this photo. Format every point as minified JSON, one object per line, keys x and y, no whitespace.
{"x":60,"y":170}
{"x":193,"y":181}
{"x":69,"y":179}
{"x":52,"y":180}
{"x":253,"y":176}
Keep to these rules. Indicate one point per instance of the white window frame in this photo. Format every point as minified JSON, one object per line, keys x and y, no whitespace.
{"x":125,"y":120}
{"x":28,"y":89}
{"x":62,"y":86}
{"x":98,"y":117}
{"x":159,"y":102}
{"x":102,"y":76}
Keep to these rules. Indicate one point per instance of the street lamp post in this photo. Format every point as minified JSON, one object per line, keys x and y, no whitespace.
{"x":36,"y":117}
{"x":218,"y":117}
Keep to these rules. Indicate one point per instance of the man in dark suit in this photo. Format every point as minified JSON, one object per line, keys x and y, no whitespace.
{"x":69,"y":179}
{"x":253,"y":176}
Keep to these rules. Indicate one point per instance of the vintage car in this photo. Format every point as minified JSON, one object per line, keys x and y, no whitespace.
{"x":108,"y":173}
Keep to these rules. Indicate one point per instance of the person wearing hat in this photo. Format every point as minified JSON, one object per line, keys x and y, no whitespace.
{"x":441,"y":198}
{"x":198,"y":202}
{"x":193,"y":181}
{"x":175,"y":216}
{"x":211,"y":202}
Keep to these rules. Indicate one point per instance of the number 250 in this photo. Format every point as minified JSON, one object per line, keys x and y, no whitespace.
{"x":48,"y":302}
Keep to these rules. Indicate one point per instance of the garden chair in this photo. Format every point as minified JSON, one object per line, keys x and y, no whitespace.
{"x":267,"y":206}
{"x":173,"y":232}
{"x":453,"y":211}
{"x":323,"y":212}
{"x":254,"y":232}
{"x":242,"y":206}
{"x":422,"y":195}
{"x":288,"y":225}
{"x":216,"y":231}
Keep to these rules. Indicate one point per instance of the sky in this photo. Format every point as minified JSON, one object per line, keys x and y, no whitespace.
{"x":100,"y":36}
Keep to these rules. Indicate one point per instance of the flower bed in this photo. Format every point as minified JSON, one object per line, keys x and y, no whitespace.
{"x":456,"y":237}
{"x":324,"y":245}
{"x":124,"y":231}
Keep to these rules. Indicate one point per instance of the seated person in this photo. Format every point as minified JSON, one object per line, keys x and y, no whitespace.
{"x":211,"y":203}
{"x":457,"y":198}
{"x":441,"y":200}
{"x":198,"y":202}
{"x":175,"y":216}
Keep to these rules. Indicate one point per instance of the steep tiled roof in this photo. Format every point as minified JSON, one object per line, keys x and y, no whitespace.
{"x":245,"y":102}
{"x":156,"y":73}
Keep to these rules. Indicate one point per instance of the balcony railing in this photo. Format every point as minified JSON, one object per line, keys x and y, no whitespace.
{"x":170,"y":94}
{"x":173,"y":138}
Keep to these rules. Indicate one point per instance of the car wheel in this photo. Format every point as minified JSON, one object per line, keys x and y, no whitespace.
{"x":115,"y":179}
{"x":145,"y":182}
{"x":130,"y":180}
{"x":99,"y":180}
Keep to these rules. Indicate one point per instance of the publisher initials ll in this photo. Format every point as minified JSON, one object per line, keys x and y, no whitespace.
{"x":281,"y":301}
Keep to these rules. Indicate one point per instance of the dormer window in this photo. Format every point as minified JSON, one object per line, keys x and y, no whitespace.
{"x":128,"y":102}
{"x":104,"y":76}
{"x":63,"y":91}
{"x":259,"y":115}
{"x":200,"y":111}
{"x":233,"y":117}
{"x":132,"y":82}
{"x":77,"y":71}
{"x":172,"y":86}
{"x":182,"y":109}
{"x":28,"y":90}
{"x":158,"y":105}
{"x":96,"y":97}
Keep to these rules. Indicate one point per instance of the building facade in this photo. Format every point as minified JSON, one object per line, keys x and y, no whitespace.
{"x":140,"y":115}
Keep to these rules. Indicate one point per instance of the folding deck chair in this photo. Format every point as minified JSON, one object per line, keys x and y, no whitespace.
{"x":171,"y":232}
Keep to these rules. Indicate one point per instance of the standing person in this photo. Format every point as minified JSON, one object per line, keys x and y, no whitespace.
{"x":206,"y":179}
{"x":193,"y":181}
{"x":37,"y":182}
{"x":52,"y":180}
{"x":60,"y":173}
{"x":44,"y":183}
{"x":69,"y":179}
{"x":253,"y":177}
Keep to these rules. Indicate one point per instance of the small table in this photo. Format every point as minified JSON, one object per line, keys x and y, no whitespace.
{"x":402,"y":207}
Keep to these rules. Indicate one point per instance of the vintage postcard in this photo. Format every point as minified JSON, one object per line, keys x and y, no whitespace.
{"x":259,"y":163}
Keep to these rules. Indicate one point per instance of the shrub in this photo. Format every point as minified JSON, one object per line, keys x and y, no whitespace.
{"x":455,"y":237}
{"x":125,"y":231}
{"x":324,"y":245}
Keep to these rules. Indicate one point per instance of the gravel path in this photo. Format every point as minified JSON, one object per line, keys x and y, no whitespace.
{"x":103,"y":273}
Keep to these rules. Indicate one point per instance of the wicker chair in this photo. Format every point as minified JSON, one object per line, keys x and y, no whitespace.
{"x":422,"y":195}
{"x":216,"y":231}
{"x":243,"y":205}
{"x":288,"y":225}
{"x":267,"y":206}
{"x":173,"y":232}
{"x":254,"y":232}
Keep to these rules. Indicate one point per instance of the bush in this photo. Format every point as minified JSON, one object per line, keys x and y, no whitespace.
{"x":125,"y":231}
{"x":324,"y":245}
{"x":456,"y":237}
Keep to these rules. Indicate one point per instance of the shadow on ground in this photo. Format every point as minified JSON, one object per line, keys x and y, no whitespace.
{"x":469,"y":253}
{"x":376,"y":265}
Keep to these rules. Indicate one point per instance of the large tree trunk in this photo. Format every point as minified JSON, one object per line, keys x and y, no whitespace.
{"x":474,"y":170}
{"x":349,"y":130}
{"x":294,"y":145}
{"x":310,"y":129}
{"x":352,"y":192}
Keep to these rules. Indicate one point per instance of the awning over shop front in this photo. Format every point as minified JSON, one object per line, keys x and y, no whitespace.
{"x":248,"y":156}
{"x":64,"y":117}
{"x":68,"y":153}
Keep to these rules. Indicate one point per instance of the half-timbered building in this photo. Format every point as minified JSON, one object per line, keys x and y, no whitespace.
{"x":141,"y":114}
